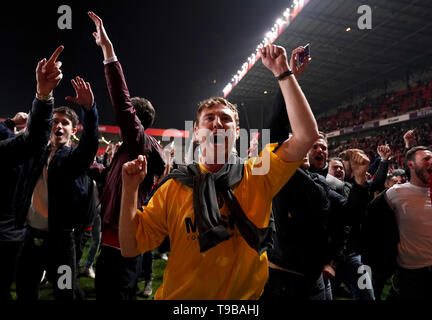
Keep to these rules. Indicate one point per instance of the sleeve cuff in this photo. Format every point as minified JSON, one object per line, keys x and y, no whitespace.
{"x":110,"y":60}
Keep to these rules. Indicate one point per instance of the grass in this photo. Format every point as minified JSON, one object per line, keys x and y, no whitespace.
{"x":87,"y":284}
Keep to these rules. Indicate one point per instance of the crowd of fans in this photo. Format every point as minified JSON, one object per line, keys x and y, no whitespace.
{"x":391,"y":135}
{"x":384,"y":106}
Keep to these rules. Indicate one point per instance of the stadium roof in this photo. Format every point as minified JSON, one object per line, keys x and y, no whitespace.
{"x":345,"y":63}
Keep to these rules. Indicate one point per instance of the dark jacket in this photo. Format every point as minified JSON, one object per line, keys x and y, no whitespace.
{"x":380,"y":237}
{"x":323,"y":171}
{"x":14,"y":151}
{"x":309,"y":218}
{"x":135,"y":142}
{"x":69,"y":188}
{"x":380,"y":175}
{"x":353,"y":229}
{"x":301,"y":238}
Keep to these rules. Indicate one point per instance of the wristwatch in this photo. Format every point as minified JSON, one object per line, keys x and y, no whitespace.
{"x":43,"y":97}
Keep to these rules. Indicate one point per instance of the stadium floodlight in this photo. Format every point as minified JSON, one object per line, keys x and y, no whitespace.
{"x":280,"y":25}
{"x":227,"y":89}
{"x":280,"y":22}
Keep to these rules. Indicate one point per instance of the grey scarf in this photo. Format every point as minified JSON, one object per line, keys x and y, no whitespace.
{"x":207,"y":215}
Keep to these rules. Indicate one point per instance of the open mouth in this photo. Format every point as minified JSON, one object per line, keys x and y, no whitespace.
{"x":338,"y":175}
{"x":319,"y":158}
{"x":217,"y":139}
{"x":59,"y":134}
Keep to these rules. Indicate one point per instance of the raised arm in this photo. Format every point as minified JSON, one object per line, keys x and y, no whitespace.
{"x":133,"y":173}
{"x":278,"y":121}
{"x":130,"y":126}
{"x":301,"y":118}
{"x":380,"y":176}
{"x":83,"y":156}
{"x":19,"y":149}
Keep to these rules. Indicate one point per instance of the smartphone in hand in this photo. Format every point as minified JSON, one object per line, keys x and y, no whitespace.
{"x":303,"y":55}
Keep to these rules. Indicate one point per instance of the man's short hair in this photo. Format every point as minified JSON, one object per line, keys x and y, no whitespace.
{"x":322,"y":135}
{"x":410,"y":155}
{"x":144,"y":111}
{"x":69,"y":113}
{"x":334,"y":159}
{"x":398,"y":172}
{"x":213,"y":101}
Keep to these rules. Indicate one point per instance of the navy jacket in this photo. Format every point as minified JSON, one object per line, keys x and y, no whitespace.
{"x":14,"y":151}
{"x":70,"y":190}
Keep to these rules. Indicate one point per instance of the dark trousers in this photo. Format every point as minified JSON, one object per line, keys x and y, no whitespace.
{"x":282,"y":286}
{"x":145,"y":266}
{"x":9,"y":253}
{"x":116,"y":276}
{"x":415,"y":284}
{"x":53,"y":252}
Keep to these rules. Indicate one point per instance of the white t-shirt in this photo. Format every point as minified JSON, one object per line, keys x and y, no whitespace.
{"x":412,"y":205}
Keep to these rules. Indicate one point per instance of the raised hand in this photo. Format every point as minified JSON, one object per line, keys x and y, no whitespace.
{"x":296,"y":69}
{"x":133,"y":173}
{"x":359,"y":164}
{"x":84,"y":94}
{"x":410,"y":139}
{"x":20,"y":118}
{"x":384,"y":152}
{"x":48,"y":73}
{"x":274,"y":58}
{"x":100,"y":35}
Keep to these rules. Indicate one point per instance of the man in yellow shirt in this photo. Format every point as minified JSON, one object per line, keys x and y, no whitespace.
{"x":216,"y":213}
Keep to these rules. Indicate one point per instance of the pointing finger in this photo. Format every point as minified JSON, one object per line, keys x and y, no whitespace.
{"x":55,"y":55}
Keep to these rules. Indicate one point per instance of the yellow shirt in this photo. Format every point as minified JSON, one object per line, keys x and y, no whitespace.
{"x":230,"y":270}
